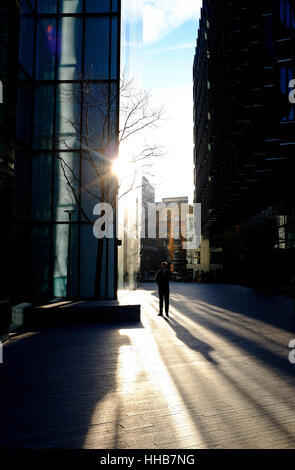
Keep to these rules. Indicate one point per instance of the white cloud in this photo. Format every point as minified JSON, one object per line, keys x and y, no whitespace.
{"x":187,"y":45}
{"x":163,"y":16}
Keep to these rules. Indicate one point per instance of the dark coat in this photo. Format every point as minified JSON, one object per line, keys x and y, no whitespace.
{"x":163,"y":279}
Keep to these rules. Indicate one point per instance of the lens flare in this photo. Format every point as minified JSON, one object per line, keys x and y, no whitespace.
{"x":121,"y":168}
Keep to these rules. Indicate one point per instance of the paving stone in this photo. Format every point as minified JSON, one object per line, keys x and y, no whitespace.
{"x":215,"y":375}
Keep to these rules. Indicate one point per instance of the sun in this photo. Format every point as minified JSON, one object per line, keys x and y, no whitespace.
{"x":117,"y":167}
{"x":123,"y":169}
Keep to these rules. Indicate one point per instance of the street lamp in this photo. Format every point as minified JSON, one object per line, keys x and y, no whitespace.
{"x":70,"y":213}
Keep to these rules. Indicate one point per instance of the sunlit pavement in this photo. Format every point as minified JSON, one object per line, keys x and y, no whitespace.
{"x":216,"y":374}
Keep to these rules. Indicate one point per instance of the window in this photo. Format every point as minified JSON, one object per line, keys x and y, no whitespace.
{"x":66,"y":170}
{"x":25,"y":7}
{"x":114,"y":48}
{"x":96,"y":116}
{"x":94,"y":6}
{"x":97,"y":47}
{"x":48,"y":6}
{"x":27,"y":43}
{"x":68,"y":105}
{"x":269,"y":52}
{"x":40,"y":261}
{"x":115,"y":5}
{"x":43,"y":116}
{"x":21,"y":185}
{"x":60,"y":249}
{"x":113,"y":115}
{"x":91,"y":180}
{"x":70,"y":6}
{"x":41,"y":186}
{"x":24,"y":113}
{"x":70,"y":40}
{"x":286,"y":109}
{"x":287,"y":15}
{"x":88,"y":254}
{"x":46,"y":49}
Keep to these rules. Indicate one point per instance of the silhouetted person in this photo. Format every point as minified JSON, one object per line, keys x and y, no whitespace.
{"x":163,"y":280}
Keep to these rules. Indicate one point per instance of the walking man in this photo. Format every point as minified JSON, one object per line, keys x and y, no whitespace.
{"x":163,"y":280}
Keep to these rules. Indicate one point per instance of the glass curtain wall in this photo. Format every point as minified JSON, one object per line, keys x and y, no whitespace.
{"x":67,"y":134}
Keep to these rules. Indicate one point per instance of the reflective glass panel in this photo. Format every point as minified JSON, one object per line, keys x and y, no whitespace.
{"x":60,"y":248}
{"x":40,"y":260}
{"x":66,"y":185}
{"x":41,"y":186}
{"x":68,"y":105}
{"x":43,"y":116}
{"x":47,"y":6}
{"x":96,"y":107}
{"x":114,"y":57}
{"x":115,"y":5}
{"x":24,"y":113}
{"x":71,"y":6}
{"x":25,"y":7}
{"x":46,"y":47}
{"x":93,"y":6}
{"x":20,"y":259}
{"x":70,"y":40}
{"x":26,"y":44}
{"x":92,"y":178}
{"x":88,"y":256}
{"x":21,"y":184}
{"x":97,"y":47}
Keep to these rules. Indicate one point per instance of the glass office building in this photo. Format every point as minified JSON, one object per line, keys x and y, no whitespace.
{"x":244,"y":137}
{"x":67,"y":134}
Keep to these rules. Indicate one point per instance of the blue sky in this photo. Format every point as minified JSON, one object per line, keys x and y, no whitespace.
{"x":170,"y":32}
{"x":168,"y":62}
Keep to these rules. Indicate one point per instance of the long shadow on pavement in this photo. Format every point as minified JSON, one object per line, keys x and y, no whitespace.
{"x":269,"y":357}
{"x":191,"y":341}
{"x":273,"y":309}
{"x":53,"y":379}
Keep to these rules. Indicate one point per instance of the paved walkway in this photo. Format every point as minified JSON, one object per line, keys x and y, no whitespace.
{"x":215,"y":375}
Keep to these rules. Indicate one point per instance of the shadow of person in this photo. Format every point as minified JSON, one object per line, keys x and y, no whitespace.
{"x":55,"y":380}
{"x":191,"y":341}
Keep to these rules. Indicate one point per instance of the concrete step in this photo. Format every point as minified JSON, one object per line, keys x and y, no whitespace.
{"x":80,"y":311}
{"x":5,"y":318}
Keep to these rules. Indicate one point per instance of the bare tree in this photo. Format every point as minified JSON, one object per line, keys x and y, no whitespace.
{"x":94,"y":130}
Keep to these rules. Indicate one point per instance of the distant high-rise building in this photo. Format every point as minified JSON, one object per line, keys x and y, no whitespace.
{"x":168,"y":222}
{"x":244,"y":136}
{"x":177,"y":227}
{"x":147,"y":197}
{"x":148,"y":247}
